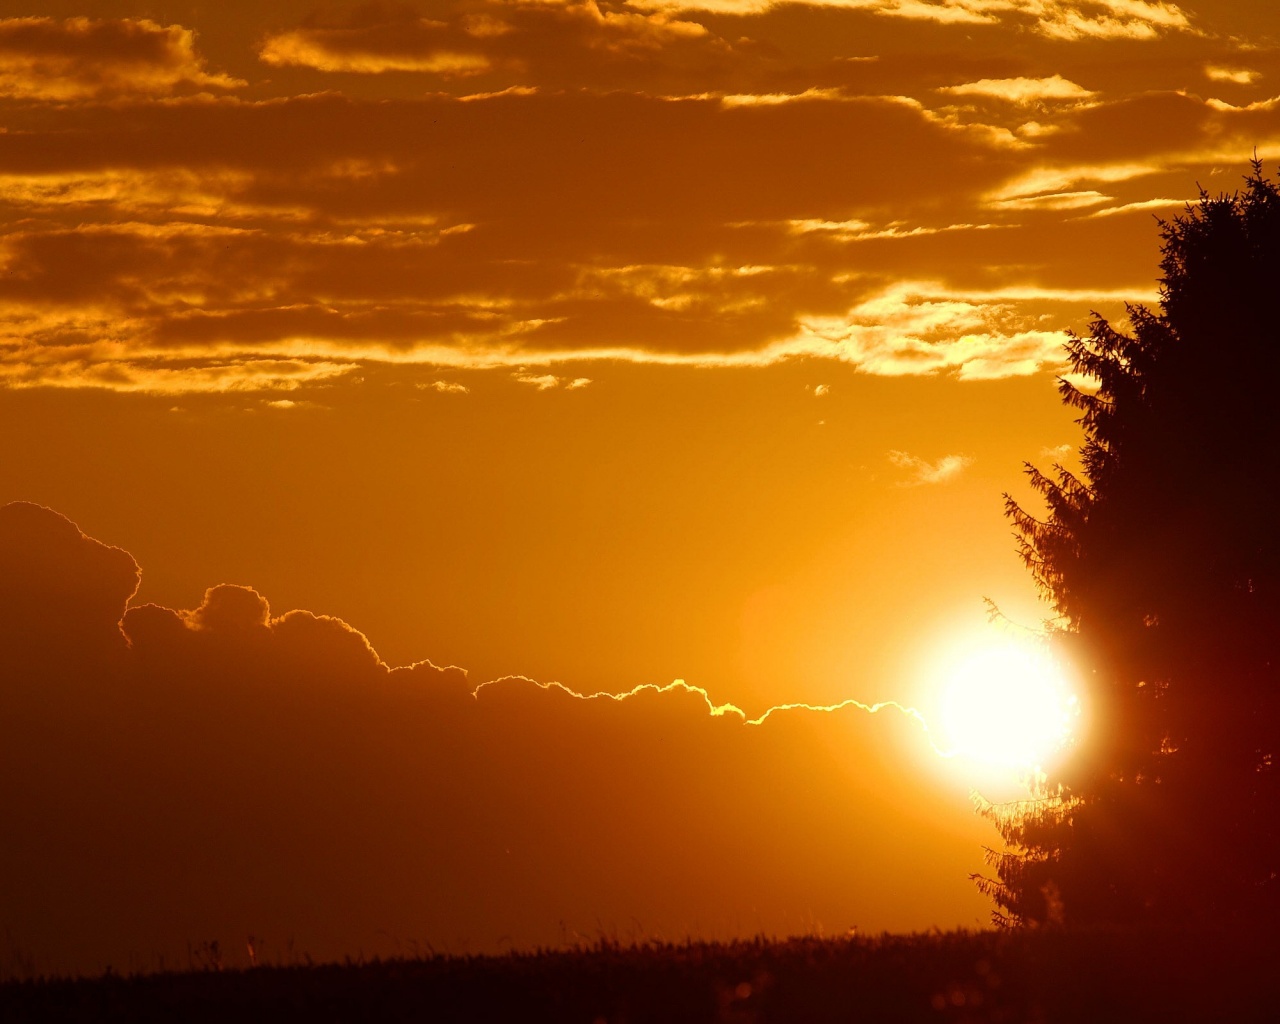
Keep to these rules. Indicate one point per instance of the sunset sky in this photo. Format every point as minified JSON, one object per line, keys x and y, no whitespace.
{"x":601,"y":344}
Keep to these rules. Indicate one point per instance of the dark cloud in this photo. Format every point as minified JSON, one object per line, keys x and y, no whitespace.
{"x":61,"y":593}
{"x":235,"y":773}
{"x":559,"y":160}
{"x":526,"y":44}
{"x":84,"y":59}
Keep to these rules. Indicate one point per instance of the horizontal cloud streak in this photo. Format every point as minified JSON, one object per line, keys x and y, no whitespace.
{"x":1057,"y":19}
{"x":532,"y":43}
{"x":1022,"y":90}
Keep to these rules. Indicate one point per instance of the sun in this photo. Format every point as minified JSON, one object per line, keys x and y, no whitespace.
{"x":1008,"y":705}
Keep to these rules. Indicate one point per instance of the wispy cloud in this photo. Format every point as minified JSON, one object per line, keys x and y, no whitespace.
{"x":549,"y":381}
{"x":923,"y":472}
{"x":1139,"y":206}
{"x":446,"y":387}
{"x":918,"y":329}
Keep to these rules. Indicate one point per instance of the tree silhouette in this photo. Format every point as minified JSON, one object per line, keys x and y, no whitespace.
{"x":1162,"y":561}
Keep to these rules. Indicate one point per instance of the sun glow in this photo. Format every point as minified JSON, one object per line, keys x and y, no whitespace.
{"x":1007,"y":705}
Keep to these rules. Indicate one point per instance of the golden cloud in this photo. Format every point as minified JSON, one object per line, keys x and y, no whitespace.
{"x":51,"y":368}
{"x":920,"y":328}
{"x":1056,"y":201}
{"x":1058,"y":19}
{"x":1105,"y":19}
{"x":549,"y":381}
{"x":565,"y":41}
{"x":924,"y":472}
{"x":1052,"y":186}
{"x":1140,"y":205}
{"x":82,"y":59}
{"x":771,"y":98}
{"x":304,"y":49}
{"x":1237,"y":76}
{"x":327,"y":232}
{"x":1022,"y":90}
{"x":447,"y":387}
{"x":963,"y":12}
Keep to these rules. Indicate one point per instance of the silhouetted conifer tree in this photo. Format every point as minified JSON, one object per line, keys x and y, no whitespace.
{"x":1162,"y":561}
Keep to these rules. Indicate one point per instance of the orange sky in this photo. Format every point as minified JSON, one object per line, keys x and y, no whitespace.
{"x":598,"y":344}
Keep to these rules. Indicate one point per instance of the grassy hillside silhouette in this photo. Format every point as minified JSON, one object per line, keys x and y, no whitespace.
{"x":1107,"y":977}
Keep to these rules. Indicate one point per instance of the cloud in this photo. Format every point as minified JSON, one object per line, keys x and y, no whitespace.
{"x":566,"y":42}
{"x":446,"y":387}
{"x":541,"y":381}
{"x":1237,"y":76}
{"x":1056,"y":201}
{"x":109,"y":367}
{"x":1022,"y":90}
{"x":772,"y":99}
{"x":232,"y":244}
{"x":83,"y":59}
{"x":234,"y":771}
{"x":372,"y":39}
{"x":1103,"y":19}
{"x":864,"y":231}
{"x":1057,"y":19}
{"x":1152,"y":133}
{"x":943,"y":470}
{"x":1139,"y":206}
{"x":1053,"y":184}
{"x":61,"y":592}
{"x":336,"y":237}
{"x":549,"y":381}
{"x":918,"y":328}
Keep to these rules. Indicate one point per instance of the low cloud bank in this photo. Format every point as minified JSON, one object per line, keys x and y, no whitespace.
{"x":174,"y":777}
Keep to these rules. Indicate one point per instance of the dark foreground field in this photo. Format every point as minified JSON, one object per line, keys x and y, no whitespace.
{"x":977,"y":976}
